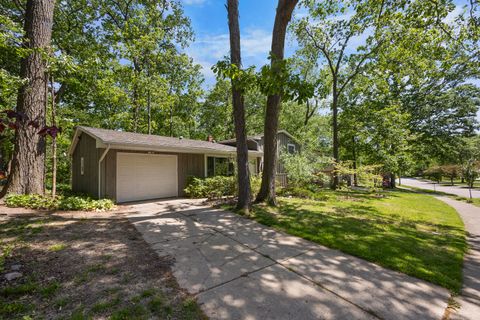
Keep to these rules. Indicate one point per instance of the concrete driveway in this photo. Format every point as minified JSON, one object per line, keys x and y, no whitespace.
{"x":428,"y":185}
{"x":239,"y":269}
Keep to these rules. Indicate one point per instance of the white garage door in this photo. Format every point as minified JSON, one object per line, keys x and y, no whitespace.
{"x":146,"y":176}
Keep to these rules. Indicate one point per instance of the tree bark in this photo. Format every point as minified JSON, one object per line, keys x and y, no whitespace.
{"x":27,"y":174}
{"x":243,"y":176}
{"x":149,"y":108}
{"x":267,"y":188}
{"x":392,"y":180}
{"x":54,"y":144}
{"x":354,"y":153}
{"x":336,"y":142}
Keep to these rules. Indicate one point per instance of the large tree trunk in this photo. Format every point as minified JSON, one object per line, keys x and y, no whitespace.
{"x":336,"y":142}
{"x":244,"y":192}
{"x":27,"y":174}
{"x":354,"y":153}
{"x":393,"y":178}
{"x":54,"y":144}
{"x":267,"y":188}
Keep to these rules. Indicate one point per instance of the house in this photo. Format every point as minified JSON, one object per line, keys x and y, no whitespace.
{"x":126,"y":166}
{"x":285,"y":143}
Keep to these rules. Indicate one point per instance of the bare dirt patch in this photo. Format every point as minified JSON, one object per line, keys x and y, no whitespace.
{"x":84,"y":266}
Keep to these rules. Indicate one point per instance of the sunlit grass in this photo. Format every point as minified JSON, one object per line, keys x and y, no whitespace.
{"x":405,"y":231}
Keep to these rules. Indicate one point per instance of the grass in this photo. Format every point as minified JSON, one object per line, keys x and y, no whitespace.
{"x":474,"y":201}
{"x":57,"y":247}
{"x":413,"y":233}
{"x":459,"y":183}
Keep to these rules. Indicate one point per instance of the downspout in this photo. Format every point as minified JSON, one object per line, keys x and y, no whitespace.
{"x":99,"y":169}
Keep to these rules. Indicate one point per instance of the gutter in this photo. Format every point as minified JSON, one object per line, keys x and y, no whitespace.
{"x":99,"y":168}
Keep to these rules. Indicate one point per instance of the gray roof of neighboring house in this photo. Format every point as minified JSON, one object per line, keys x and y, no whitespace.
{"x":260,"y":136}
{"x":142,"y":141}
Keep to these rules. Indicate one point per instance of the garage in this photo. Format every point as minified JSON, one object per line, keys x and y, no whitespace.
{"x":146,"y":176}
{"x":128,"y":166}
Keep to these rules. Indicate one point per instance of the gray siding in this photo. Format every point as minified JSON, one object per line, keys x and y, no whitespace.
{"x":88,"y":182}
{"x":188,"y":165}
{"x":282,"y":142}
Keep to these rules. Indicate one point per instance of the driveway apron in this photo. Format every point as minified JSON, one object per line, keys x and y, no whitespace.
{"x":240,"y":269}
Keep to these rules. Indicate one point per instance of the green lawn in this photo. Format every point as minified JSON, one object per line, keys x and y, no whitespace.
{"x":459,"y":183}
{"x":405,"y":231}
{"x":474,"y":201}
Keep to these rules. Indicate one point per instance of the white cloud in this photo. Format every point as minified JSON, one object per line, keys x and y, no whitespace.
{"x":193,"y":2}
{"x":454,"y":14}
{"x":209,"y":48}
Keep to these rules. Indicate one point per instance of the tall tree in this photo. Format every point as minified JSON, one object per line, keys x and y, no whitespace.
{"x":243,"y":176}
{"x":27,"y":175}
{"x":282,"y":18}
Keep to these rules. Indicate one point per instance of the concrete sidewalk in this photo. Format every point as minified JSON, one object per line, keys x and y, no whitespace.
{"x":469,"y":298}
{"x":240,"y":269}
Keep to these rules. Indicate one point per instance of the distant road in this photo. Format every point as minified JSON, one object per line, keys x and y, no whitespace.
{"x":459,"y":191}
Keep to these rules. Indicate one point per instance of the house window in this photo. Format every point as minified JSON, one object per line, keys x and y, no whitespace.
{"x":291,"y":148}
{"x":82,"y":166}
{"x":219,"y":167}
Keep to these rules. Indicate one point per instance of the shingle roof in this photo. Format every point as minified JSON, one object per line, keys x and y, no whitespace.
{"x":260,"y":136}
{"x":114,"y":137}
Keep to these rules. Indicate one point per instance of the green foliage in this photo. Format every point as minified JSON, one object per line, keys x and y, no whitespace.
{"x":278,"y":78}
{"x":211,"y":188}
{"x":413,"y":233}
{"x":303,"y":169}
{"x":217,"y":187}
{"x":308,"y":191}
{"x":368,"y":175}
{"x":34,"y":201}
{"x":434,"y":173}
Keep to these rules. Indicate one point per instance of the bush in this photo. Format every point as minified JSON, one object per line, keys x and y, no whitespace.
{"x":218,"y":186}
{"x":35,"y":201}
{"x":211,"y":188}
{"x":306,"y":192}
{"x":434,"y":173}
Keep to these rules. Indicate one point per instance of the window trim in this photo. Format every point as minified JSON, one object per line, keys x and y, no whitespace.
{"x":215,"y":156}
{"x":294,"y":148}
{"x":82,"y":166}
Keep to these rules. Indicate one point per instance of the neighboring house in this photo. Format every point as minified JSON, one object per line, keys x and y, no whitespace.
{"x":126,"y":166}
{"x":285,"y":143}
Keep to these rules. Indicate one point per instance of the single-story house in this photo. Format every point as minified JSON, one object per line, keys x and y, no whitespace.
{"x":126,"y":166}
{"x":285,"y":143}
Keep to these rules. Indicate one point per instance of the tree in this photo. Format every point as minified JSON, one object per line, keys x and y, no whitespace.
{"x":243,"y":176}
{"x":282,"y":18}
{"x":329,"y":35}
{"x":27,"y":174}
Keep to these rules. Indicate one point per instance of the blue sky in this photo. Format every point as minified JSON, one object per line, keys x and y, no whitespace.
{"x":209,"y":22}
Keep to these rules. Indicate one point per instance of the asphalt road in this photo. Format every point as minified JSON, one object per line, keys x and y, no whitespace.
{"x":459,"y":191}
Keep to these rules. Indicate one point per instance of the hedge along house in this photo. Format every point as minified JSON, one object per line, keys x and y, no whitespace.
{"x":126,"y":166}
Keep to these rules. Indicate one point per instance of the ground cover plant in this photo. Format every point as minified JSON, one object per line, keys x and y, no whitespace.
{"x":410,"y":232}
{"x":67,"y":202}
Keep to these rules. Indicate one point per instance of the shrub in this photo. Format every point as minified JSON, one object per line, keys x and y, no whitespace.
{"x":211,"y":188}
{"x":35,"y":201}
{"x":434,"y":173}
{"x":304,"y":168}
{"x":451,"y":171}
{"x":307,"y":192}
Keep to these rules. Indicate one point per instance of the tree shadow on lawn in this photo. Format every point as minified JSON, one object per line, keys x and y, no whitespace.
{"x":432,"y":252}
{"x":86,"y":268}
